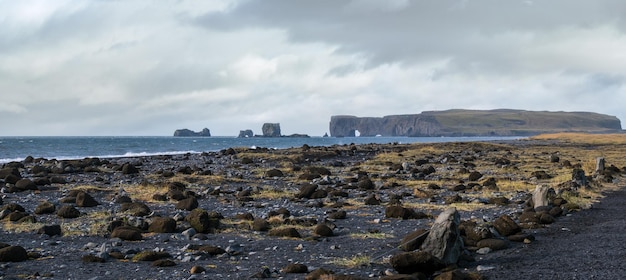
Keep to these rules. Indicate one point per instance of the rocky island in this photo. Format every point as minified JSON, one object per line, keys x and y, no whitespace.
{"x":501,"y":122}
{"x":190,"y":133}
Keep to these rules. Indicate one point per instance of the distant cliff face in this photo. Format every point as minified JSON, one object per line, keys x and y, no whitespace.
{"x":189,"y":133}
{"x":503,"y":122}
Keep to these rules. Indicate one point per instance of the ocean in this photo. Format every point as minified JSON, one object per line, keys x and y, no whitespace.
{"x":18,"y":148}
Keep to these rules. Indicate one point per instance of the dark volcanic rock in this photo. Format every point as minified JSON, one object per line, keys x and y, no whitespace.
{"x":149,"y":256}
{"x":444,"y":240}
{"x":413,"y":262}
{"x":50,"y":230}
{"x":396,"y":211}
{"x":506,"y":226}
{"x":25,"y":185}
{"x":162,"y":225}
{"x":187,"y":204}
{"x":285,"y":232}
{"x":295,"y":268}
{"x":138,"y":209}
{"x":127,"y":233}
{"x":203,"y":221}
{"x":260,"y":225}
{"x":83,"y":199}
{"x":323,"y":230}
{"x":13,"y":254}
{"x":68,"y":212}
{"x":492,"y":243}
{"x":413,"y":240}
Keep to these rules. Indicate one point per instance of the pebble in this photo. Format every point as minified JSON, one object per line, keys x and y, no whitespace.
{"x":484,"y":268}
{"x":484,"y":251}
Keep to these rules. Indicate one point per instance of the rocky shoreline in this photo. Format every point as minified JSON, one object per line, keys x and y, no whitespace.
{"x":348,"y":211}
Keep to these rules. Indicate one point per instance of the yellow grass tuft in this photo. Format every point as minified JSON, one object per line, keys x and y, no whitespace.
{"x":353,"y":262}
{"x":585,"y":138}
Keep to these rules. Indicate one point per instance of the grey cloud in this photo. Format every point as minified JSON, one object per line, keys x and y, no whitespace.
{"x":467,"y":31}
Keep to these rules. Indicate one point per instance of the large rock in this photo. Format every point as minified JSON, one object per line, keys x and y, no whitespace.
{"x":190,"y":133}
{"x":271,"y":130}
{"x":25,"y":185}
{"x":540,"y":196}
{"x":68,"y":212}
{"x":162,"y":225}
{"x":84,"y":199}
{"x":127,"y":233}
{"x":414,"y":262}
{"x":506,"y":226}
{"x":444,"y":240}
{"x":203,"y":221}
{"x":245,"y":133}
{"x":13,"y":254}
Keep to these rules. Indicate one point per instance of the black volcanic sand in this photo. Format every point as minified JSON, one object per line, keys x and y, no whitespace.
{"x":588,"y":245}
{"x":592,"y":245}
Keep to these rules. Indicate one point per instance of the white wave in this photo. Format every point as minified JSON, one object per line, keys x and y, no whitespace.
{"x":128,"y":154}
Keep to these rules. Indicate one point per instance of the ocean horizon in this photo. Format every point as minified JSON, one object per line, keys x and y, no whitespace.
{"x":17,"y":148}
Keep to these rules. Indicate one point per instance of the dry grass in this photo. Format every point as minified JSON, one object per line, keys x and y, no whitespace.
{"x":274,"y":194}
{"x":371,"y":235}
{"x":14,"y":227}
{"x":353,"y":262}
{"x":585,"y":138}
{"x":145,"y":192}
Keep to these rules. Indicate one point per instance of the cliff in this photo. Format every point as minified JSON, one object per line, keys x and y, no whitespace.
{"x":501,"y":122}
{"x":189,"y":133}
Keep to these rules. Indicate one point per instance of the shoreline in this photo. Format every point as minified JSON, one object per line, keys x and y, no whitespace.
{"x":244,"y":185}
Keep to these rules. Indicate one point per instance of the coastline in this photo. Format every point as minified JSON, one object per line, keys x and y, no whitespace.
{"x":234,"y":182}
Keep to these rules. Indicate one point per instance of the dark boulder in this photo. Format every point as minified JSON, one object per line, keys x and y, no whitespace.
{"x":68,"y":212}
{"x":150,"y":256}
{"x":274,"y":173}
{"x":260,"y":225}
{"x":396,"y":211}
{"x":493,"y":244}
{"x":506,"y":226}
{"x":162,"y":225}
{"x":413,"y":240}
{"x":203,"y":221}
{"x":25,"y":185}
{"x":13,"y":254}
{"x":285,"y":232}
{"x":137,"y":209}
{"x":128,"y":169}
{"x":414,"y":262}
{"x":295,"y":268}
{"x":84,"y":199}
{"x":323,"y":230}
{"x":127,"y":233}
{"x":444,"y":240}
{"x":187,"y":204}
{"x":50,"y":230}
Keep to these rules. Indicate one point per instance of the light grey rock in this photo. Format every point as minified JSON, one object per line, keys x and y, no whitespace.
{"x":444,"y":240}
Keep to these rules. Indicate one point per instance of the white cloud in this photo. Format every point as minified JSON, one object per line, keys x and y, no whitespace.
{"x":133,"y":67}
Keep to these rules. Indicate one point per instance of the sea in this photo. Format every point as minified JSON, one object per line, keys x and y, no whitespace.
{"x":16,"y":148}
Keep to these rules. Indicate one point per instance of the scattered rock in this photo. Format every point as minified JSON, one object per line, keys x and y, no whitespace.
{"x":414,"y":262}
{"x":187,"y":204}
{"x":413,"y":240}
{"x":285,"y":232}
{"x":323,"y":230}
{"x":196,"y":269}
{"x":295,"y":268}
{"x":50,"y":230}
{"x":127,"y":233}
{"x":45,"y":207}
{"x":13,"y":254}
{"x":506,"y":226}
{"x":92,"y":259}
{"x":162,"y":225}
{"x":83,"y":199}
{"x":149,"y":256}
{"x":163,"y":263}
{"x":68,"y":212}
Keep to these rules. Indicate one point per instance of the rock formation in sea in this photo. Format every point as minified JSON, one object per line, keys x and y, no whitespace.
{"x":190,"y":133}
{"x":501,"y":122}
{"x":245,"y":133}
{"x":271,"y":130}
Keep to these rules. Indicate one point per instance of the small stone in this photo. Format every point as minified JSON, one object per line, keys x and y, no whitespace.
{"x":196,"y":269}
{"x":163,"y":263}
{"x":484,"y":251}
{"x":484,"y":268}
{"x":92,"y":259}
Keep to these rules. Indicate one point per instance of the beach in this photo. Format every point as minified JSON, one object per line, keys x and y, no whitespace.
{"x":285,"y":213}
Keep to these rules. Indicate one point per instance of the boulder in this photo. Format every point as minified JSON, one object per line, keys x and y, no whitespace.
{"x":444,"y":240}
{"x":127,"y":233}
{"x":83,"y":199}
{"x":150,"y":256}
{"x":187,"y":204}
{"x":413,"y":240}
{"x":295,"y":268}
{"x":271,"y":130}
{"x":25,"y":185}
{"x":162,"y":225}
{"x":540,"y":196}
{"x":415,"y":262}
{"x":50,"y":230}
{"x":68,"y":212}
{"x":137,"y":209}
{"x":323,"y":230}
{"x":260,"y":225}
{"x":506,"y":226}
{"x":493,"y":244}
{"x":285,"y":232}
{"x":203,"y":221}
{"x":397,"y":211}
{"x":274,"y":173}
{"x":128,"y":169}
{"x":45,"y":207}
{"x":13,"y":254}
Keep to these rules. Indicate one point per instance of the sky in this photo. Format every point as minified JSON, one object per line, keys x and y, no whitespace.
{"x":96,"y":67}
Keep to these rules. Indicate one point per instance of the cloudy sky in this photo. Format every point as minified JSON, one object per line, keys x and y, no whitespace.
{"x":150,"y":67}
